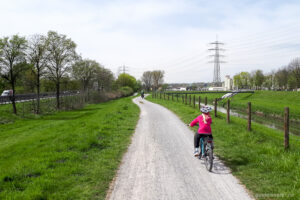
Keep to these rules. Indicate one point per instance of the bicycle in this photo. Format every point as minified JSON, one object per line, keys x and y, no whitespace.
{"x":206,"y":144}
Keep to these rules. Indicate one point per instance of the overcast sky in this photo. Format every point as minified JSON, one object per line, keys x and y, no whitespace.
{"x":164,"y":34}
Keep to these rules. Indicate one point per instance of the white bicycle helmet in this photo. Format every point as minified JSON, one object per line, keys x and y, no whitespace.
{"x":205,"y":109}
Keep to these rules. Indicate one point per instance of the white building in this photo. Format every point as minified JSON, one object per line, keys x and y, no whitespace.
{"x":228,"y":83}
{"x":216,"y":89}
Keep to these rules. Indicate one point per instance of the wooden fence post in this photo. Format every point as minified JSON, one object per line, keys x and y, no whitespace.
{"x":23,"y":108}
{"x":168,"y":97}
{"x":190,"y":99}
{"x":185,"y":99}
{"x":160,"y":95}
{"x":172,"y":97}
{"x":216,"y":107}
{"x":199,"y":102}
{"x":205,"y":101}
{"x":194,"y":101}
{"x":249,"y":116}
{"x":164,"y":96}
{"x":286,"y":127}
{"x":228,"y":111}
{"x":177,"y":97}
{"x":182,"y":98}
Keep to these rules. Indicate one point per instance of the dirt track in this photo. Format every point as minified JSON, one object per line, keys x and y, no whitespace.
{"x":159,"y":163}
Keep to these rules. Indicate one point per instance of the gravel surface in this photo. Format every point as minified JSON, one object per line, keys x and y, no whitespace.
{"x":159,"y":163}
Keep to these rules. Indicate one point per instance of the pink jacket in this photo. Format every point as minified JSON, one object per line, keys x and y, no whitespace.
{"x":203,"y":128}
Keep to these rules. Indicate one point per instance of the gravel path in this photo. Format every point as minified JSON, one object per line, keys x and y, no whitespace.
{"x":159,"y":163}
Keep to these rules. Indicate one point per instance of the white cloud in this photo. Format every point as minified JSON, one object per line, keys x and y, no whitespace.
{"x":168,"y":35}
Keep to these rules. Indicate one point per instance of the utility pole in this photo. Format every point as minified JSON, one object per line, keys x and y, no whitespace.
{"x":216,"y":61}
{"x":122,"y":70}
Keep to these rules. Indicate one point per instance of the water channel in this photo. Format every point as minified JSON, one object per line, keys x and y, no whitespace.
{"x":274,"y":123}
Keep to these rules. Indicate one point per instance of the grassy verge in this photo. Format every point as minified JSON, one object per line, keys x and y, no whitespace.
{"x":68,"y":155}
{"x":257,"y":158}
{"x":270,"y":103}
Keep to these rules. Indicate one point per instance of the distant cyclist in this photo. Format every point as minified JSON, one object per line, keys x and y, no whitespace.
{"x":142,"y":94}
{"x":204,"y":121}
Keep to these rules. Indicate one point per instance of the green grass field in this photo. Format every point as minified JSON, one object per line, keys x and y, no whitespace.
{"x":68,"y":155}
{"x":257,"y":158}
{"x":271,"y":103}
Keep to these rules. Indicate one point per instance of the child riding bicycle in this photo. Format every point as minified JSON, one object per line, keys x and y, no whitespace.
{"x":204,"y":121}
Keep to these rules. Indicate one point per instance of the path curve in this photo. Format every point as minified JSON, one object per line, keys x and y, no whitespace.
{"x":159,"y":163}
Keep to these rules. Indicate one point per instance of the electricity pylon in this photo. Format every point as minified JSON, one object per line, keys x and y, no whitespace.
{"x":217,"y":61}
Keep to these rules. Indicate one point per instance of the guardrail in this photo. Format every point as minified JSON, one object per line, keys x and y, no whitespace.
{"x":206,"y":92}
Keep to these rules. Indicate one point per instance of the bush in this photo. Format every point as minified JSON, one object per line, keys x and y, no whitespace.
{"x":126,"y":91}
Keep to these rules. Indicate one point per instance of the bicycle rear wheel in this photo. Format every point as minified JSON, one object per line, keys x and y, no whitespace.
{"x":209,"y":158}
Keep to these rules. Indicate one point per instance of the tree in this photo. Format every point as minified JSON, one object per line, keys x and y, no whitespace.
{"x":47,"y":85}
{"x":12,"y":61}
{"x":294,"y":68}
{"x":147,"y":80}
{"x":292,"y":82}
{"x":242,"y":80}
{"x":193,"y":87}
{"x":60,"y":56}
{"x":281,"y":77}
{"x":138,"y":85}
{"x":245,"y":78}
{"x":237,"y":81}
{"x":165,"y":86}
{"x":28,"y":79}
{"x":258,"y":79}
{"x":36,"y":55}
{"x":268,"y":81}
{"x":3,"y":84}
{"x":105,"y":78}
{"x":157,"y":78}
{"x":126,"y":80}
{"x":85,"y":72}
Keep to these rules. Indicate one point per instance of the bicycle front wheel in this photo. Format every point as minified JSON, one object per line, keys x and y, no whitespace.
{"x":209,"y":159}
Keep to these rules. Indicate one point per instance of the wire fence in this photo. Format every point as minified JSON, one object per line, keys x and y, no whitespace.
{"x":281,"y":122}
{"x":27,"y":107}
